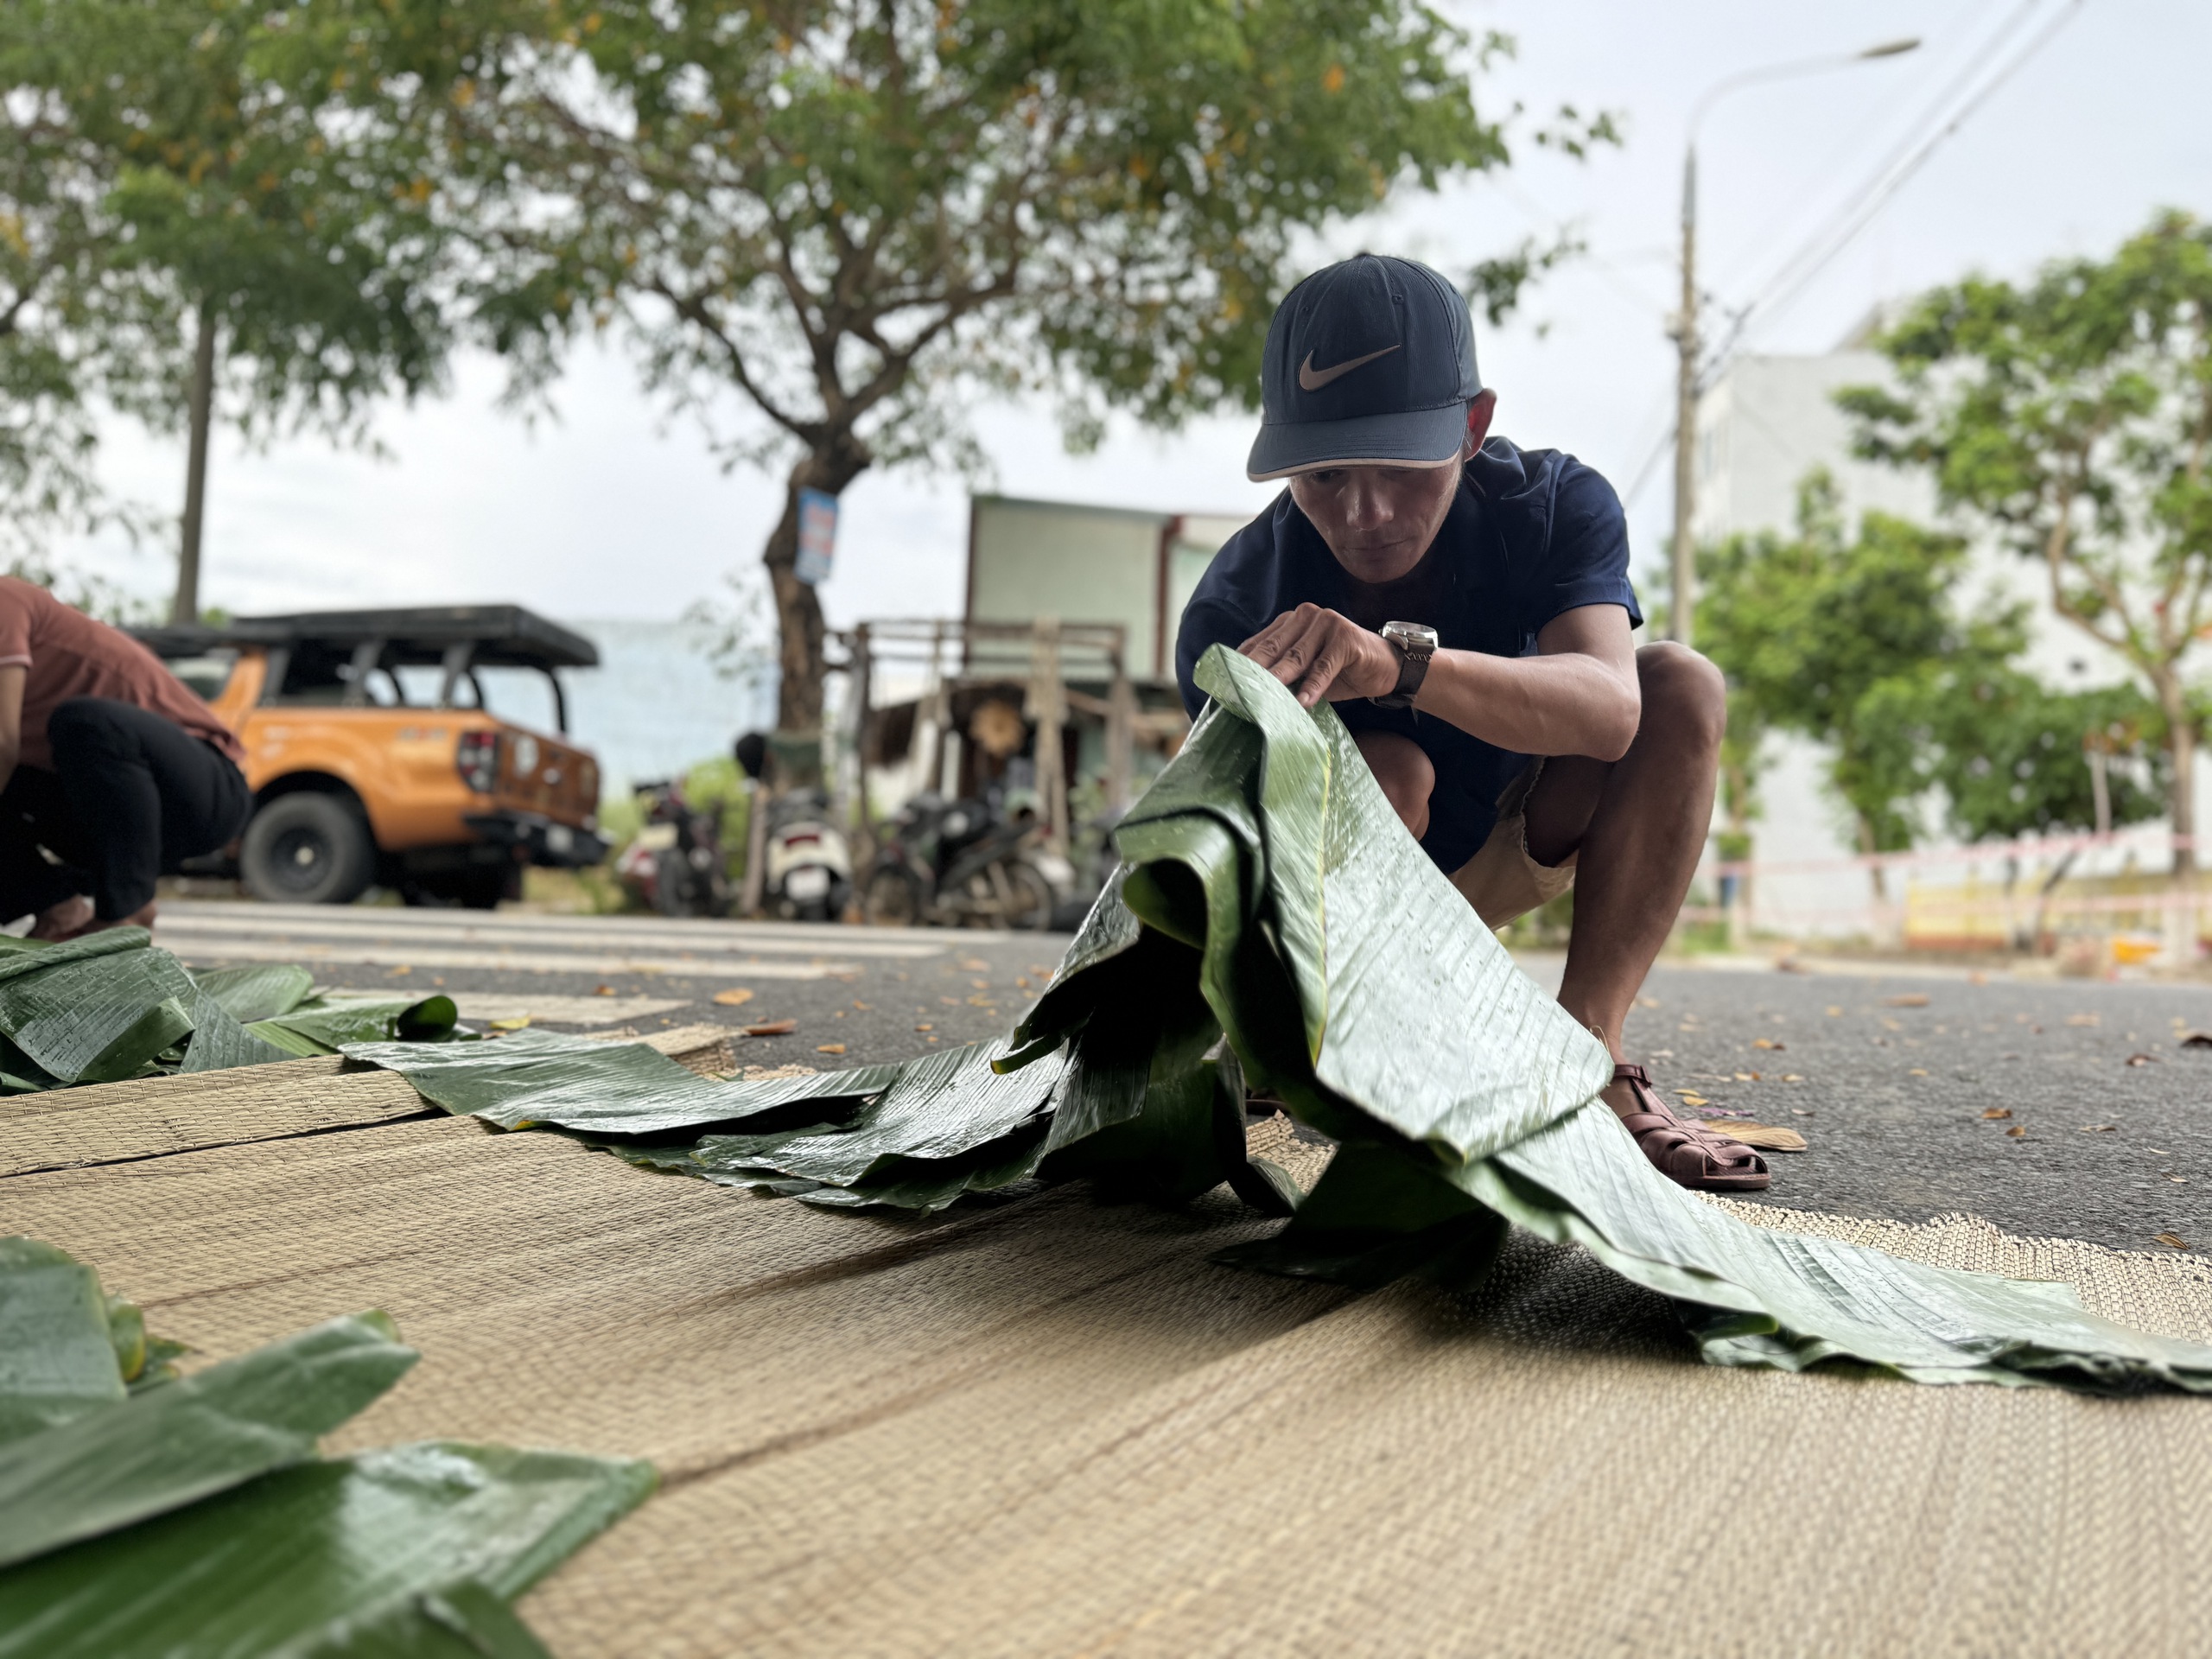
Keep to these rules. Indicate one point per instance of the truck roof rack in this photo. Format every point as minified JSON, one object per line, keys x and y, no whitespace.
{"x":504,"y":635}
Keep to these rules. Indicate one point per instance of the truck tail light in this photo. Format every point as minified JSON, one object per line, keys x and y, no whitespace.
{"x":477,"y":759}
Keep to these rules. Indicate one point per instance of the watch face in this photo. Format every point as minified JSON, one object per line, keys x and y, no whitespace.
{"x":1415,"y":634}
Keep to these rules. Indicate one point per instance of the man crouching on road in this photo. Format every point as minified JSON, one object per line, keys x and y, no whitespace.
{"x":1465,"y":605}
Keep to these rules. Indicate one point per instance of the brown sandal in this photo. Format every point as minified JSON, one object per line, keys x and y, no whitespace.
{"x":1687,"y":1154}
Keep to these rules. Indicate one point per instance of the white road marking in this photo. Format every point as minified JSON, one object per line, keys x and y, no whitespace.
{"x":381,"y":954}
{"x":561,"y":1010}
{"x":394,"y":926}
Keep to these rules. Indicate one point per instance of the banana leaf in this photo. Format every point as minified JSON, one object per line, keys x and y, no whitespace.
{"x":57,"y":1343}
{"x":1269,"y":895}
{"x":172,"y":1445}
{"x":356,"y":1555}
{"x":456,"y":1621}
{"x":327,"y":1024}
{"x":598,"y":1087}
{"x":257,"y":990}
{"x":95,"y":1009}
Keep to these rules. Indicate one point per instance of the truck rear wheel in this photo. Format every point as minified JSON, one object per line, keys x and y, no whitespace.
{"x":307,"y":849}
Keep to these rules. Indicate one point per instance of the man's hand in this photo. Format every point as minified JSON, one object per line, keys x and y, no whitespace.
{"x":1322,"y":654}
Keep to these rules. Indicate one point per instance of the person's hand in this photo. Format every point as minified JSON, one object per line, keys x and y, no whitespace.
{"x":1323,"y":654}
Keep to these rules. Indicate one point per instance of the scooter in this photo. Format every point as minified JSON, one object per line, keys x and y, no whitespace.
{"x":674,"y":865}
{"x":806,"y":864}
{"x":955,"y":864}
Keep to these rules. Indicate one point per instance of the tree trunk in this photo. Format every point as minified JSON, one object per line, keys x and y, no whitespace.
{"x":798,"y":609}
{"x":201,"y":410}
{"x":2181,"y":803}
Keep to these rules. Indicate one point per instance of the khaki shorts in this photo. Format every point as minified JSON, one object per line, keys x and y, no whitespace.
{"x":1501,"y":881}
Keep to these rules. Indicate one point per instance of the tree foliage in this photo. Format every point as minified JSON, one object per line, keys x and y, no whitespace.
{"x":2072,"y":416}
{"x":857,"y":215}
{"x":221,"y":181}
{"x":1828,"y":634}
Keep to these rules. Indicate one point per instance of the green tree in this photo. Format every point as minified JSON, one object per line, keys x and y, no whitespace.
{"x":2072,"y":417}
{"x":858,"y":215}
{"x":239,"y":198}
{"x":1831,"y":635}
{"x":52,"y":287}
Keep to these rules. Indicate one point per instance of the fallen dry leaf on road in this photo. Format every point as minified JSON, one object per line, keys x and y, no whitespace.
{"x":1799,"y":1111}
{"x":1995,"y":1112}
{"x":2142,"y":1059}
{"x":1917,"y":1071}
{"x":830,"y":1048}
{"x":2085,"y":1020}
{"x":972,"y":966}
{"x":1834,"y":1013}
{"x":511,"y":1025}
{"x":2195,"y":1039}
{"x":1766,"y":1042}
{"x":736,"y":997}
{"x":1647,"y":1001}
{"x":1790,"y":965}
{"x":602,"y":990}
{"x":1747,"y":1076}
{"x":925,"y":1027}
{"x":1765,"y":1137}
{"x":2171,"y":1240}
{"x":772,"y":1028}
{"x":402,"y":971}
{"x":1691,"y":1097}
{"x":2096,"y":1129}
{"x":1793,"y":1077}
{"x":865,"y":1007}
{"x":2016,"y":1132}
{"x":1906,"y":1000}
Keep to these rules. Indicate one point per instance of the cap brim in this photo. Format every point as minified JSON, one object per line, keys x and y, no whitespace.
{"x":1420,"y":437}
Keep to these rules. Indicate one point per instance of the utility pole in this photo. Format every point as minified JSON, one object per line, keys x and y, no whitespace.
{"x":1682,"y":556}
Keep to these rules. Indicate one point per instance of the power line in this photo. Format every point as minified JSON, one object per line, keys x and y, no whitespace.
{"x":1858,"y":211}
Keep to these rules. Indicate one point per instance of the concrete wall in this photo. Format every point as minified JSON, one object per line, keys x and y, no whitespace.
{"x":1029,"y":559}
{"x":1080,"y":564}
{"x":1768,"y":421}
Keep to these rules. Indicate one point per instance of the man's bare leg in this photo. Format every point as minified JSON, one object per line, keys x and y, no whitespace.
{"x":1639,"y":824}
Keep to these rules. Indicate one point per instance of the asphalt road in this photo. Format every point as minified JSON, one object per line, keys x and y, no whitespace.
{"x":1890,"y":1079}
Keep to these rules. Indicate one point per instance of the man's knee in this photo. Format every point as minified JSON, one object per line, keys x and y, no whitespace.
{"x":1406,"y":773}
{"x":1683,"y":693}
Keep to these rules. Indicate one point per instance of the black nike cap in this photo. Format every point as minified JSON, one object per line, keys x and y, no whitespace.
{"x":1368,"y":363}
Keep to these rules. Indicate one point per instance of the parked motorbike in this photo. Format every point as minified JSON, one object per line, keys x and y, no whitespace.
{"x":957,"y":864}
{"x":675,"y":864}
{"x":806,"y":863}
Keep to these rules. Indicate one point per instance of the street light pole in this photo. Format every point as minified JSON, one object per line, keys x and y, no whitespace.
{"x":1682,"y":556}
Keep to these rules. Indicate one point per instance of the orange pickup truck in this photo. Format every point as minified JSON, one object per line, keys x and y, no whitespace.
{"x":373,"y":757}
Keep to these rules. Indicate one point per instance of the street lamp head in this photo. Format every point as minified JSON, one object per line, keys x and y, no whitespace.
{"x":1893,"y":49}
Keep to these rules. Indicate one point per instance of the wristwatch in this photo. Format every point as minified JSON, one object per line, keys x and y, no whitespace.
{"x":1415,"y":644}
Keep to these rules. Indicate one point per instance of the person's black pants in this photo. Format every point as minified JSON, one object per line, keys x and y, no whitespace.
{"x":130,"y":797}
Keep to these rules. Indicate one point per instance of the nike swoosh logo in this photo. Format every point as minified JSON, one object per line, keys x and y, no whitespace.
{"x":1313,"y":379}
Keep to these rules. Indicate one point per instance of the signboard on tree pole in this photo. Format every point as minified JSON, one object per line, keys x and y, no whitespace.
{"x":817,"y":536}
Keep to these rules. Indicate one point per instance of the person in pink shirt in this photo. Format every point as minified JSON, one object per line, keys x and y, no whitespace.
{"x":111,"y":771}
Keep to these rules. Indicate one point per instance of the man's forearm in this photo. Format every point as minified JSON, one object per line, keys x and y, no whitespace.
{"x":1565,"y":703}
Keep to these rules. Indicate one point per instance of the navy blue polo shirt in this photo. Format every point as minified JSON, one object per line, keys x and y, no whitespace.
{"x":1531,"y":533}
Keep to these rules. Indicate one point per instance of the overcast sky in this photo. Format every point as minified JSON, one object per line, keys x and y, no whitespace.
{"x":613,"y":509}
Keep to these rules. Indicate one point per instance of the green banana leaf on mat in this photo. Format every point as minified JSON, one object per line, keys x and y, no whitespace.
{"x":112,"y":1005}
{"x":192,"y":1517}
{"x":1269,"y":895}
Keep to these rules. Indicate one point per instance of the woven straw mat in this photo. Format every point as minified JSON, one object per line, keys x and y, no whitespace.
{"x":1051,"y":1427}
